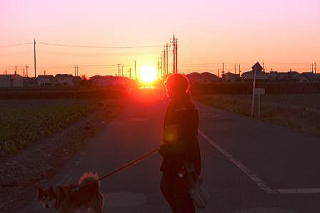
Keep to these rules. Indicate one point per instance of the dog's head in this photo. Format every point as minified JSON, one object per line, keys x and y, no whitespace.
{"x":47,"y":197}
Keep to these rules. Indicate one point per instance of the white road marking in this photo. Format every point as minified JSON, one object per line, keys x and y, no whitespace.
{"x":259,"y":182}
{"x":266,"y":210}
{"x":300,"y":191}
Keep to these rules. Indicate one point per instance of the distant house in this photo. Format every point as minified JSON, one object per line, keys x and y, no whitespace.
{"x":260,"y":74}
{"x":46,"y":80}
{"x":66,"y":80}
{"x":230,"y":76}
{"x":13,"y":80}
{"x":29,"y":82}
{"x":309,"y":77}
{"x":202,"y":78}
{"x":284,"y":76}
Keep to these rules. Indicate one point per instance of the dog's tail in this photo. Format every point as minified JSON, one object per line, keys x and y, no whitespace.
{"x":89,"y":178}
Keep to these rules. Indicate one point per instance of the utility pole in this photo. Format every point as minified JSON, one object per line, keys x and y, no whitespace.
{"x":222,"y":68}
{"x":235,"y":68}
{"x":312,"y":67}
{"x":15,"y":69}
{"x":122,"y":70}
{"x":164,"y":64}
{"x":253,"y":90}
{"x":158,"y":68}
{"x":34,"y":58}
{"x":75,"y":70}
{"x":173,"y":55}
{"x":167,"y":59}
{"x":161,"y":66}
{"x":176,"y":57}
{"x":118,"y":69}
{"x":164,"y":61}
{"x":239,"y":69}
{"x":315,"y":68}
{"x":135,"y":68}
{"x":27,"y":70}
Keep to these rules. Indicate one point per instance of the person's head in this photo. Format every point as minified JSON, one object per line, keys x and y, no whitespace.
{"x":177,"y":85}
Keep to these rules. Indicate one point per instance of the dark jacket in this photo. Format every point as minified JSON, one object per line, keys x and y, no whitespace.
{"x":180,"y":144}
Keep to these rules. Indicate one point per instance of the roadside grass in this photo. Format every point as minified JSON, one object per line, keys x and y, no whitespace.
{"x":22,"y":125}
{"x":299,"y":112}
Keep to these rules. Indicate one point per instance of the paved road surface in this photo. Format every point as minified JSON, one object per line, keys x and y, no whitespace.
{"x":249,"y":166}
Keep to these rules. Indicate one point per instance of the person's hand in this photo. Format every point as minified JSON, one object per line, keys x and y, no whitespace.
{"x":189,"y":167}
{"x":164,"y":150}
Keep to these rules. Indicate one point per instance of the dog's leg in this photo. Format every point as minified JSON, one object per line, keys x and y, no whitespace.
{"x":97,"y":209}
{"x":98,"y":205}
{"x":67,"y":210}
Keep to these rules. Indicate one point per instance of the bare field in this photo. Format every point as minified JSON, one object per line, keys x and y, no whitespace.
{"x":296,"y":111}
{"x":26,"y":121}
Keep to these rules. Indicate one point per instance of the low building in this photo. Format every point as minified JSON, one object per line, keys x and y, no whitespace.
{"x":29,"y":82}
{"x":46,"y":80}
{"x":259,"y":73}
{"x":66,"y":80}
{"x":13,"y":80}
{"x":284,"y":76}
{"x":309,"y":77}
{"x":202,"y":78}
{"x":230,"y":77}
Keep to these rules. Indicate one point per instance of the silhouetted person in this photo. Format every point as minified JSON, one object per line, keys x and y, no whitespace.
{"x":180,"y":148}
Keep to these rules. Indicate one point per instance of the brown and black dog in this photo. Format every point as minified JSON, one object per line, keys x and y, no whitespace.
{"x":71,"y":198}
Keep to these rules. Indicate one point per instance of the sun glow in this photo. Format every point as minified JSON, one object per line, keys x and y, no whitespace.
{"x":148,"y":74}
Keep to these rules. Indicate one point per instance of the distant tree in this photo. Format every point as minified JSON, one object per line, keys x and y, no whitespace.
{"x":84,"y":77}
{"x":84,"y":80}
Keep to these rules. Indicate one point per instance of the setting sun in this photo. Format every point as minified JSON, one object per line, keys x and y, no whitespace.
{"x":147,"y":74}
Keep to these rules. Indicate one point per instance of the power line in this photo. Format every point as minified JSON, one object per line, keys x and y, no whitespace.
{"x":94,"y":54}
{"x":15,"y":45}
{"x":95,"y":46}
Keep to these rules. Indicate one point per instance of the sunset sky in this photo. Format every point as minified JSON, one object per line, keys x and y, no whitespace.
{"x":283,"y":34}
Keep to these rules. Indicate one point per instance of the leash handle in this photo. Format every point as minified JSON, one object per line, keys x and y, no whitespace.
{"x":130,"y":163}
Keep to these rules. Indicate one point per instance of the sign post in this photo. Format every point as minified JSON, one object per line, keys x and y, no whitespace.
{"x":259,"y":92}
{"x":253,"y":89}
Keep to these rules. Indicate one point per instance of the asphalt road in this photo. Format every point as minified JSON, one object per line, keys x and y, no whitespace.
{"x":248,"y":166}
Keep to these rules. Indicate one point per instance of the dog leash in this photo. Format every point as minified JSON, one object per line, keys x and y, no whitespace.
{"x":130,"y":163}
{"x":123,"y":167}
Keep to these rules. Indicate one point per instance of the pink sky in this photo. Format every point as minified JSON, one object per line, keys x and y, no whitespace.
{"x":283,"y":34}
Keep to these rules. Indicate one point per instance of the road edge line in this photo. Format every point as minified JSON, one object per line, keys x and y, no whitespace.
{"x":259,"y":182}
{"x":299,"y":191}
